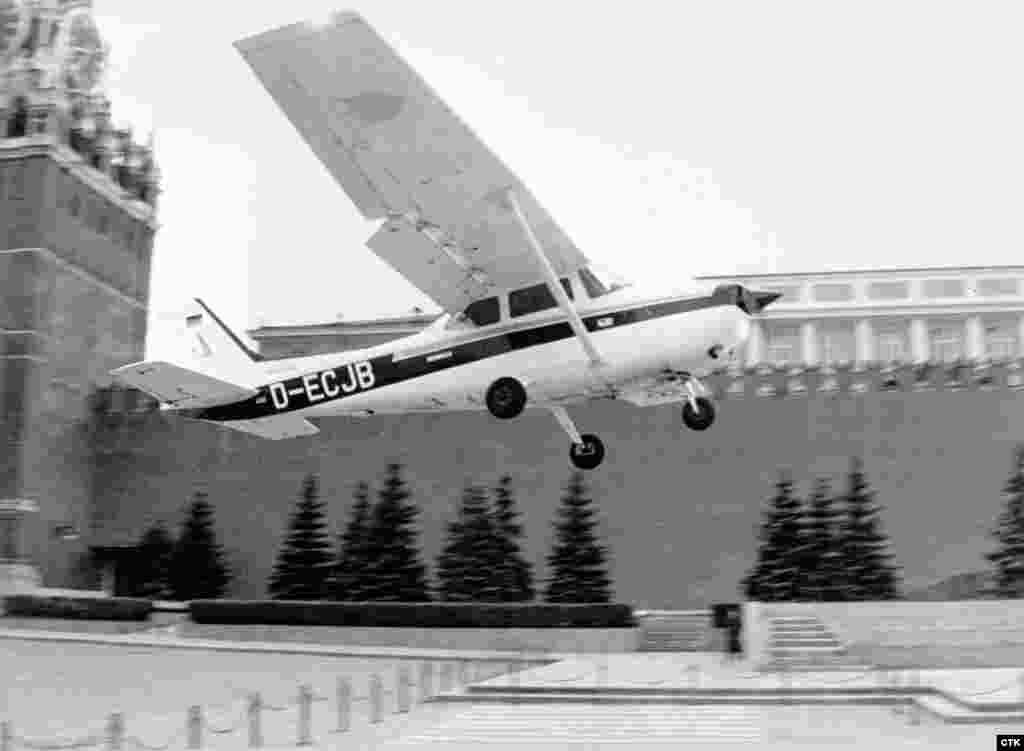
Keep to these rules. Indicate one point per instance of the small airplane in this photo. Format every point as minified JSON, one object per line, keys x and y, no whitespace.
{"x":527,"y":320}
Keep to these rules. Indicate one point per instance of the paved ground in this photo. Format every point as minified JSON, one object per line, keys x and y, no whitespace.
{"x":704,"y":670}
{"x":57,"y":692}
{"x":580,"y":727}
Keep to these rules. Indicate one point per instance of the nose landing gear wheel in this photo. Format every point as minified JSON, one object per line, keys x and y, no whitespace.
{"x":699,"y":420}
{"x":588,"y":455}
{"x":506,"y":398}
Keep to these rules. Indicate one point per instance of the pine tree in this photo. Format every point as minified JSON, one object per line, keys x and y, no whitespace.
{"x":1008,"y":558}
{"x":304,"y":561}
{"x":468,"y":566}
{"x":514,"y":574}
{"x":868,"y":573}
{"x":776,"y":575}
{"x":151,"y":564}
{"x":821,"y":571}
{"x":352,"y":565}
{"x":198,"y":569}
{"x":395,"y":573}
{"x":577,"y":561}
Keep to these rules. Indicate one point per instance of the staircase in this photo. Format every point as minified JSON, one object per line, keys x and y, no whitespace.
{"x":676,"y":631}
{"x":803,"y":642}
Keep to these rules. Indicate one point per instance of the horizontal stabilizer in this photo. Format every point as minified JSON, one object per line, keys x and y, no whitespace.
{"x":275,"y":428}
{"x":181,"y":387}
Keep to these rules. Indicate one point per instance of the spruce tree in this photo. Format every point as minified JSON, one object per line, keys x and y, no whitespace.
{"x":304,"y":561}
{"x":776,"y":575}
{"x":468,"y":566}
{"x":868,"y":573}
{"x":197,"y":568}
{"x":820,"y":567}
{"x":514,"y":572}
{"x":1008,"y":558}
{"x":395,"y":573}
{"x":352,"y":564}
{"x":151,"y":564}
{"x":577,"y":562}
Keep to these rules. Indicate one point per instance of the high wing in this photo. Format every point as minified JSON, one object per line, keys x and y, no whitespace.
{"x":403,"y":156}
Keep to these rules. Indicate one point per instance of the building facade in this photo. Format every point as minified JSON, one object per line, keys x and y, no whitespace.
{"x":891,"y":316}
{"x":77,"y":221}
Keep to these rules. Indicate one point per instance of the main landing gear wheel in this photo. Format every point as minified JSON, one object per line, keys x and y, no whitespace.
{"x":589,"y":454}
{"x":506,"y":398}
{"x":702,"y":417}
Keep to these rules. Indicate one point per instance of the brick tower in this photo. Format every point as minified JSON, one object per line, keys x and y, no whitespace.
{"x":77,"y":221}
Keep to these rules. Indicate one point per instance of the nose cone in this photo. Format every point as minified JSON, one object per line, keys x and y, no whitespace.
{"x":764,"y":299}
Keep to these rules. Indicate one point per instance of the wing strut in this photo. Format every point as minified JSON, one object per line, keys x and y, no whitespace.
{"x":553,"y":284}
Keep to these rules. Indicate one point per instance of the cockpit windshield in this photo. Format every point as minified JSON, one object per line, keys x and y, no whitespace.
{"x":599,"y":281}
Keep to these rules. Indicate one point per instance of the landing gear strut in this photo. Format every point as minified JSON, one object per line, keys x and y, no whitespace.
{"x":586,"y":451}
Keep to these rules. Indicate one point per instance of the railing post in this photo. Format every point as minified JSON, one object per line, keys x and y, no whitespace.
{"x":403,"y":688}
{"x":305,"y":716}
{"x":447,"y":676}
{"x":115,"y":731}
{"x":6,"y":736}
{"x":344,"y":704}
{"x":375,"y":698}
{"x":195,"y":727}
{"x":426,"y":680}
{"x":255,"y":731}
{"x":1020,"y":684}
{"x":463,"y":672}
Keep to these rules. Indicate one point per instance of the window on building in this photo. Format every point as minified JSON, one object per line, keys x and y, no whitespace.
{"x":833,"y":292}
{"x":783,"y":343}
{"x":534,"y":299}
{"x":837,"y":342}
{"x":997,"y":287}
{"x":75,"y":205}
{"x":947,"y":342}
{"x":1001,"y":340}
{"x":892,"y":343}
{"x":484,"y":312}
{"x":943,"y":288}
{"x":103,"y":222}
{"x":888,"y":291}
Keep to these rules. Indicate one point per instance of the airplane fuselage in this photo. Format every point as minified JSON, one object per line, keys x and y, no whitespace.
{"x":449,"y":368}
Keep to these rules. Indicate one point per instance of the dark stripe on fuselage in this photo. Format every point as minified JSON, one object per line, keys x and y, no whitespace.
{"x":387,"y":372}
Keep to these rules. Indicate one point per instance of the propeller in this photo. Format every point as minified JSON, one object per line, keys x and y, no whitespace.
{"x":749,"y":301}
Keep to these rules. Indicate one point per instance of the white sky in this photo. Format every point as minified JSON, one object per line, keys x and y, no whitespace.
{"x":669,"y":140}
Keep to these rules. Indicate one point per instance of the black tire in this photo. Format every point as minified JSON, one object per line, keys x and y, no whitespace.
{"x":589,"y":455}
{"x":699,"y":420}
{"x":506,"y":398}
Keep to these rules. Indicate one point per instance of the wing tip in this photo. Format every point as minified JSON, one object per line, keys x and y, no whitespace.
{"x":300,"y":28}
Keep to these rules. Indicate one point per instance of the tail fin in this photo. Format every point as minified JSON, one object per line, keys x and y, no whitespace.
{"x":222,"y":369}
{"x":214,"y":345}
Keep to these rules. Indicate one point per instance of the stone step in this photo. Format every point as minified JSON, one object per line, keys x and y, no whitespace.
{"x":800,"y":643}
{"x":957,"y":714}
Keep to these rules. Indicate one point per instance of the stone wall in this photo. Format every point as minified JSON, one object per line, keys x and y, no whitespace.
{"x":679,"y":510}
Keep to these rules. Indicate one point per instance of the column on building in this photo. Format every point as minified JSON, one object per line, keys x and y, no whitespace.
{"x":975,"y":349}
{"x":809,"y":342}
{"x":1020,"y":336}
{"x":755,"y":343}
{"x":865,"y":337}
{"x":919,"y":344}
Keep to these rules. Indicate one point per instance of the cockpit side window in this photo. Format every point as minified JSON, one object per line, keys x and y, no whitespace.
{"x":594,"y":286}
{"x":534,"y":299}
{"x":484,"y":312}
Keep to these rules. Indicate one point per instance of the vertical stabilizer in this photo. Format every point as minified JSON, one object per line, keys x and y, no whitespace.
{"x":217,"y":350}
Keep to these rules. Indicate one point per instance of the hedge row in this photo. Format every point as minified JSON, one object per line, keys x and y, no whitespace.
{"x":80,"y":608}
{"x":416,"y":615}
